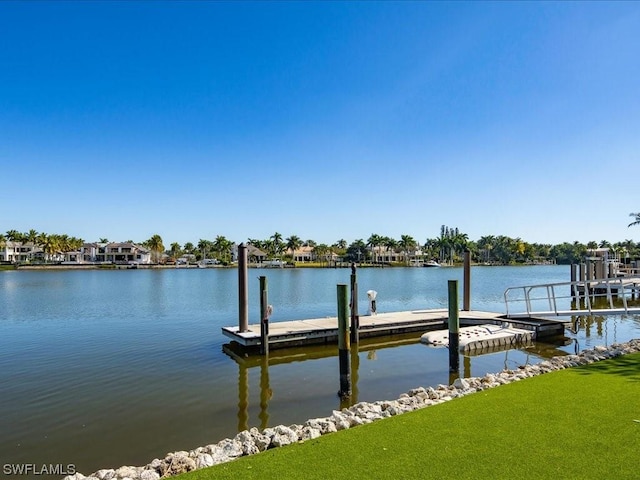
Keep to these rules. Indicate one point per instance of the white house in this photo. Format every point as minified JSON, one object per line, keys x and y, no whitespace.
{"x":15,"y":252}
{"x":111,"y":252}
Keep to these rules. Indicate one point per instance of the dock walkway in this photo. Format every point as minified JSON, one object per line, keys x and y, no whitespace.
{"x":325,"y":330}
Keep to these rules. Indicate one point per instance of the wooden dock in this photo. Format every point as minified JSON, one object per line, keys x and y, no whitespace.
{"x":293,"y":333}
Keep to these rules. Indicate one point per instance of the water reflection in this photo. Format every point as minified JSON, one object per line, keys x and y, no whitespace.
{"x":369,"y":349}
{"x":582,"y":331}
{"x":265,"y":392}
{"x":247,"y":362}
{"x":243,"y":397}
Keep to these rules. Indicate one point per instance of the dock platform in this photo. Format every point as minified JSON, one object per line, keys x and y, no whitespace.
{"x":324,"y":330}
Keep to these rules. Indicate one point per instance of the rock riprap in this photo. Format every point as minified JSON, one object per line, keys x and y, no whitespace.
{"x":253,"y":441}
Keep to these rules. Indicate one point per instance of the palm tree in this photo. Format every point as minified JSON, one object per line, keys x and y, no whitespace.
{"x":459,"y":241}
{"x":357,"y":250}
{"x":341,"y":244}
{"x":155,"y":245}
{"x":204,"y":246}
{"x":31,"y":236}
{"x":75,"y":243}
{"x":407,"y":242}
{"x":14,"y":236}
{"x":188,"y":247}
{"x":65,"y":242}
{"x":103,"y":240}
{"x":444,"y":243}
{"x":321,"y":251}
{"x":51,"y":245}
{"x":277,"y":244}
{"x":267,"y":246}
{"x":636,"y":221}
{"x":390,"y":244}
{"x":340,"y":248}
{"x":222,"y":247}
{"x":293,"y":243}
{"x":485,"y":244}
{"x":431,"y":248}
{"x":374,"y":241}
{"x":41,"y":238}
{"x":175,"y":250}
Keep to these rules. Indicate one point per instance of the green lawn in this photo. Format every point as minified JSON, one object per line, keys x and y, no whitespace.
{"x":579,"y":423}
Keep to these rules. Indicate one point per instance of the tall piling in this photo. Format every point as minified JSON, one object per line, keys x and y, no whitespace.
{"x":343,"y":342}
{"x":466,"y":300}
{"x":574,"y":273}
{"x":454,"y":327}
{"x":355,"y":318}
{"x":243,"y":290}
{"x":264,"y":317}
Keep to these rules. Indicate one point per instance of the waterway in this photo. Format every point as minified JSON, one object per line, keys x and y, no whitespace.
{"x":107,"y":368}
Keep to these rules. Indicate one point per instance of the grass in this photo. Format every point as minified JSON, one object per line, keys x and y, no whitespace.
{"x":579,"y":423}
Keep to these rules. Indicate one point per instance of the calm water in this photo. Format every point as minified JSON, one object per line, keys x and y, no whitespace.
{"x":108,"y":368}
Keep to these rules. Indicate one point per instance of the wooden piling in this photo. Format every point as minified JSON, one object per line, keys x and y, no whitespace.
{"x":343,"y":342}
{"x":454,"y":327}
{"x":600,"y":268}
{"x":264,"y":317}
{"x":355,"y":318}
{"x":574,"y":271}
{"x":466,"y":301}
{"x":243,"y":290}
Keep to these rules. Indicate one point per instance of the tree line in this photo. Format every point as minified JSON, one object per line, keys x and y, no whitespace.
{"x":447,"y":248}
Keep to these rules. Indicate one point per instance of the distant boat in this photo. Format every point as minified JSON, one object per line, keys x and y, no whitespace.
{"x":431,"y":263}
{"x":273,"y":264}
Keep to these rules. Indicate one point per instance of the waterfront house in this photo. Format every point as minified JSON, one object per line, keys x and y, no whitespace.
{"x":254,"y":254}
{"x":15,"y":252}
{"x":384,"y":254}
{"x":111,"y":252}
{"x":303,"y":254}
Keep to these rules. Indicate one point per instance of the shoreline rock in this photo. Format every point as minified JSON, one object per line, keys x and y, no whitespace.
{"x":252,"y":441}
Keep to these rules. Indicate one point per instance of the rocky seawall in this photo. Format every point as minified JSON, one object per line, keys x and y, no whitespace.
{"x":253,"y":441}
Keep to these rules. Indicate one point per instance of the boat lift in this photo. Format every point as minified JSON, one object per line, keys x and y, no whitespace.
{"x":584,"y":296}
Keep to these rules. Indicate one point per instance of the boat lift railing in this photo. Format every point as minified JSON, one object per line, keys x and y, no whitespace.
{"x":628,"y":272}
{"x":555,"y":294}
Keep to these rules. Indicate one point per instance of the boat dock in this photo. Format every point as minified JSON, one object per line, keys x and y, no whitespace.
{"x":533,"y":308}
{"x":324,"y":330}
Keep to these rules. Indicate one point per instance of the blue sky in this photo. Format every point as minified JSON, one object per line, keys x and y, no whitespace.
{"x":323,"y":120}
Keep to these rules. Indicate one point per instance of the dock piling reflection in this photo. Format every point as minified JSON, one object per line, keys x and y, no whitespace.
{"x":243,"y":397}
{"x":265,"y":392}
